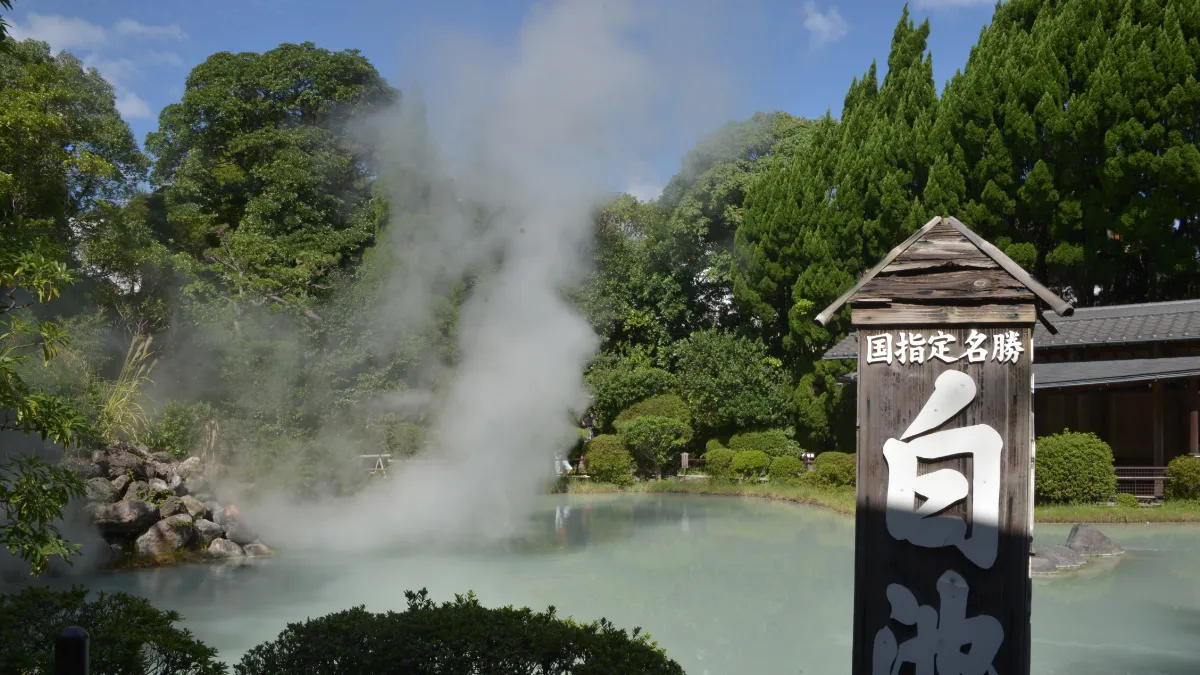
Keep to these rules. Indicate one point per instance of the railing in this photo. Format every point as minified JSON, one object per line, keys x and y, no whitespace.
{"x":1143,"y":482}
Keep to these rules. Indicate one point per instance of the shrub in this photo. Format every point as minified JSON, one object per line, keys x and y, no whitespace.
{"x":456,"y":637}
{"x":656,"y":440}
{"x":664,"y":405}
{"x":774,"y":442}
{"x":1184,"y":475}
{"x":833,"y":470}
{"x":718,"y":461}
{"x":1074,"y":468}
{"x":179,"y":429}
{"x":785,"y":469}
{"x":1127,"y":500}
{"x":713,"y":444}
{"x":617,"y":383}
{"x":128,"y":635}
{"x":731,"y":382}
{"x":750,"y":463}
{"x":608,"y":460}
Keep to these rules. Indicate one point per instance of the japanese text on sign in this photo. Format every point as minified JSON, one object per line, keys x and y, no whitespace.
{"x":958,"y":645}
{"x":908,"y":347}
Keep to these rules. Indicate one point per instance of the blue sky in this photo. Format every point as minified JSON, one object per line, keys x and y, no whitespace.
{"x":798,"y":55}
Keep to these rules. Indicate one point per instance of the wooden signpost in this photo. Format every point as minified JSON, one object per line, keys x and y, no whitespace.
{"x":945,"y":456}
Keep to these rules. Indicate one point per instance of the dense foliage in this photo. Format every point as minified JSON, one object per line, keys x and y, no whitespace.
{"x":774,"y":442}
{"x":750,"y":464}
{"x":1073,"y":468}
{"x":608,"y":460}
{"x":461,"y":636}
{"x":1183,"y":478}
{"x":718,"y":460}
{"x":785,"y":469}
{"x":656,"y":440}
{"x":128,"y":635}
{"x":833,"y":470}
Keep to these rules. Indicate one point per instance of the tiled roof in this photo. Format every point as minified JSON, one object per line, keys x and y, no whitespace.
{"x":1117,"y":324}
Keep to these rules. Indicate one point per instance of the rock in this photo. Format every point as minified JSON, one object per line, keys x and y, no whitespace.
{"x":205,"y":497}
{"x":121,"y":482}
{"x":115,"y":552}
{"x":172,"y":506}
{"x":220,"y":517}
{"x":121,"y":463}
{"x":256,"y":548}
{"x":194,"y":507}
{"x":84,"y":468}
{"x":212,"y":507}
{"x":127,"y":517}
{"x":158,"y":485}
{"x":1040,"y":565}
{"x":238,"y":532}
{"x":101,"y":490}
{"x":223,"y":548}
{"x":166,"y":536}
{"x":176,"y":483}
{"x":138,"y":489}
{"x":190,"y":468}
{"x":141,"y":451}
{"x":207,"y":531}
{"x":1061,"y":556}
{"x":161,"y":457}
{"x":1087,"y":540}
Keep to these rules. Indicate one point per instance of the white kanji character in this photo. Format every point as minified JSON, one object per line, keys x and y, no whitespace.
{"x":928,"y":525}
{"x":1007,"y":347}
{"x":916,"y":351}
{"x":879,"y":348}
{"x":976,"y":352}
{"x":902,"y":348}
{"x":939,"y":347}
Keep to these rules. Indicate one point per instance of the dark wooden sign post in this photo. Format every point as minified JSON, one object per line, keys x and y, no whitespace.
{"x":945,"y":456}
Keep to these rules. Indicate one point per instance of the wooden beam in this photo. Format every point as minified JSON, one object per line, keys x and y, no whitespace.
{"x":1194,"y":417}
{"x":1061,"y":307}
{"x":947,"y":286}
{"x":915,"y":315}
{"x":1156,"y":391}
{"x":824,"y":317}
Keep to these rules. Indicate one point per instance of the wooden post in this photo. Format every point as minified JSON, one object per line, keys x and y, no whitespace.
{"x":1156,"y":413}
{"x":683,"y":462}
{"x":71,"y":652}
{"x":1194,"y":417}
{"x":945,"y":412}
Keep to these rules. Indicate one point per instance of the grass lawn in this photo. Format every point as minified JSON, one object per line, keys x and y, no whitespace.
{"x":843,"y":501}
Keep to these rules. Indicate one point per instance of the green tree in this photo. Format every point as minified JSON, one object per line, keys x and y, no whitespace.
{"x":262,"y":178}
{"x":731,"y":382}
{"x":656,"y":440}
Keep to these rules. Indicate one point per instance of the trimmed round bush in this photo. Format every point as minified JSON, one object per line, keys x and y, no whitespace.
{"x":785,"y":469}
{"x":833,"y":470}
{"x":1184,"y":479}
{"x":461,"y":636}
{"x":663,"y":405}
{"x":774,"y":442}
{"x":718,"y":461}
{"x":1127,"y":500}
{"x":750,"y":463}
{"x":656,"y":441}
{"x":608,"y":460}
{"x":1074,"y":468}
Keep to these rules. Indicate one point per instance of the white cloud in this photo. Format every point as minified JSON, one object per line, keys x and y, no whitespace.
{"x":134,"y":28}
{"x":60,"y":31}
{"x":165,"y":58}
{"x":119,"y":72}
{"x":644,"y":191}
{"x":824,"y":27}
{"x":132,"y":106}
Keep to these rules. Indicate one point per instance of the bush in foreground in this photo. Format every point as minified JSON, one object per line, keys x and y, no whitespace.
{"x":774,"y":442}
{"x":833,"y":470}
{"x":1074,"y":468}
{"x":608,"y":460}
{"x":663,"y":405}
{"x":1184,"y":479}
{"x":1126,"y":500}
{"x":785,"y":469}
{"x":750,"y":464}
{"x":455,"y":637}
{"x":128,"y":635}
{"x":718,"y":460}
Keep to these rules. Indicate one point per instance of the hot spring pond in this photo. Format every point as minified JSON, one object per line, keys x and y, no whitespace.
{"x":727,"y":586}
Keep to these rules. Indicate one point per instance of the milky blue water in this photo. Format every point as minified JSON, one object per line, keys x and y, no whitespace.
{"x":727,"y":586}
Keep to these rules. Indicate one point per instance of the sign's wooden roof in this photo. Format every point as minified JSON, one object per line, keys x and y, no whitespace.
{"x":942,"y":265}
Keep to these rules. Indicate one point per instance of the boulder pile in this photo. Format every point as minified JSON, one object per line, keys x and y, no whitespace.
{"x":1083,"y":542}
{"x":149,"y":505}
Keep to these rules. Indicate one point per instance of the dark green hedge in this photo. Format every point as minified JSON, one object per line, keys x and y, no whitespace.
{"x":607,"y":460}
{"x":833,"y":470}
{"x":1073,"y":468}
{"x":1184,"y":475}
{"x":786,"y":469}
{"x":774,"y":442}
{"x":750,"y":464}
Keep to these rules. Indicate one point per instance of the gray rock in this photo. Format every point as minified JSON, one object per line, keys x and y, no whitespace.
{"x":166,"y":536}
{"x":190,"y":468}
{"x":127,"y":517}
{"x":223,"y":548}
{"x":121,"y":463}
{"x":207,"y":531}
{"x":203,"y":496}
{"x":84,"y":468}
{"x":158,"y":485}
{"x":172,"y":506}
{"x":141,"y":451}
{"x":220,"y":517}
{"x":161,"y":457}
{"x":1061,"y":556}
{"x":1087,"y":540}
{"x":176,"y":483}
{"x":138,"y":489}
{"x":100,"y":490}
{"x":238,"y":532}
{"x":121,"y":482}
{"x":256,"y":548}
{"x":1040,"y":565}
{"x":194,"y":507}
{"x":212,"y":507}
